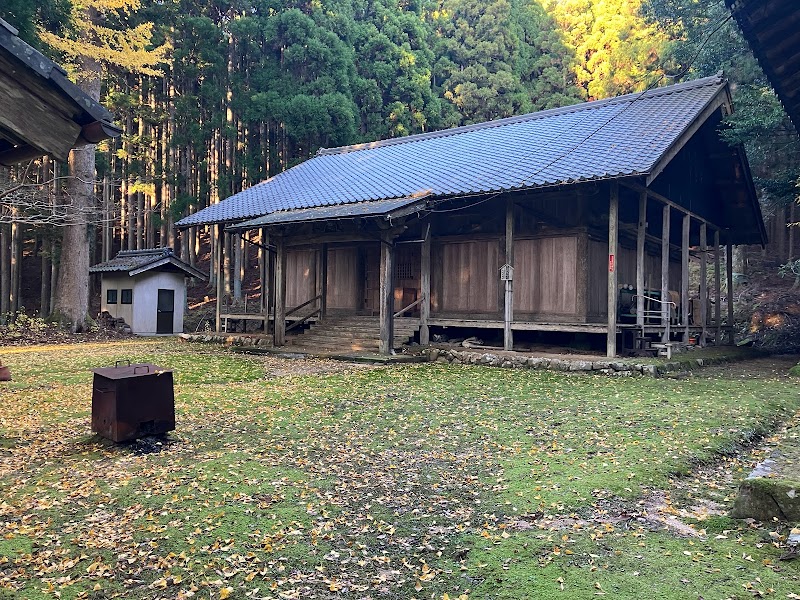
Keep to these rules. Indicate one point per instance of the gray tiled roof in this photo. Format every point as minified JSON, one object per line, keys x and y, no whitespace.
{"x":134,"y":262}
{"x":612,"y":138}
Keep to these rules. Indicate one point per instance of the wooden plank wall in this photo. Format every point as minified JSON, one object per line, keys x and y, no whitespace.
{"x":343,"y":276}
{"x":407,"y":276}
{"x":545,"y":276}
{"x":301,"y":276}
{"x":466,"y":276}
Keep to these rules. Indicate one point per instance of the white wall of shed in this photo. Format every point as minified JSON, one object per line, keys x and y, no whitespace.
{"x":145,"y":300}
{"x":117,"y":282}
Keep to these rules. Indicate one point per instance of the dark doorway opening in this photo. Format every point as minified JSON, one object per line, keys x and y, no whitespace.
{"x":166,"y":311}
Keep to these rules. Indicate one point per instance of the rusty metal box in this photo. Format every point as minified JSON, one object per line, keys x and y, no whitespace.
{"x":132,"y":401}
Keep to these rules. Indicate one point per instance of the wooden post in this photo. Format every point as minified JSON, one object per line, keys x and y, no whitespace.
{"x":729,"y":276}
{"x":508,"y":312}
{"x":425,"y":290}
{"x":717,"y":286}
{"x":613,"y":231}
{"x":279,"y":326}
{"x":220,"y":265}
{"x":264,"y":272}
{"x":665,"y":308}
{"x":703,"y":283}
{"x":685,"y":277}
{"x":640,"y":234}
{"x":323,"y":275}
{"x":236,"y":243}
{"x":386,"y":299}
{"x":226,"y":261}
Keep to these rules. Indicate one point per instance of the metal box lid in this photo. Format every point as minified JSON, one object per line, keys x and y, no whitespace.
{"x":127,"y":371}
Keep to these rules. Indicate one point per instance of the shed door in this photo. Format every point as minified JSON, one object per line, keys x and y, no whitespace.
{"x":166,"y":311}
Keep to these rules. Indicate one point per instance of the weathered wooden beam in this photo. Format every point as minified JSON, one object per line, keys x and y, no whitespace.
{"x":279,"y":326}
{"x":263,"y":270}
{"x":425,"y":290}
{"x":664,"y":200}
{"x":386,"y":294}
{"x":220,"y":265}
{"x":32,"y":120}
{"x":685,"y":277}
{"x":703,"y":283}
{"x":598,"y":328}
{"x":665,"y":308}
{"x":729,"y":277}
{"x":323,"y":282}
{"x":613,"y":233}
{"x":640,"y":237}
{"x":718,"y":287}
{"x":508,"y":301}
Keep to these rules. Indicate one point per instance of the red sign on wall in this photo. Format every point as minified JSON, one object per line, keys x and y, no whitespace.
{"x":610,"y":263}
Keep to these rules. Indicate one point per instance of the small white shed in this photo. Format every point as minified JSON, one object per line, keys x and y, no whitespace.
{"x":147,"y":288}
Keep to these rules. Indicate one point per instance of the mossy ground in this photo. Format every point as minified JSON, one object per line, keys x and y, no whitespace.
{"x":408,"y":481}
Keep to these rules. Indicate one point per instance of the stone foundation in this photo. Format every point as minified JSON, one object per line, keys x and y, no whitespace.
{"x":611,"y":368}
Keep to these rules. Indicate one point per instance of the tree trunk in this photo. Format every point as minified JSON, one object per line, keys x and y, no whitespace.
{"x":16,"y":260}
{"x":72,"y":297}
{"x":5,"y":270}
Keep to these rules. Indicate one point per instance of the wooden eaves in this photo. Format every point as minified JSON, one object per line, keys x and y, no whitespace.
{"x":41,"y":111}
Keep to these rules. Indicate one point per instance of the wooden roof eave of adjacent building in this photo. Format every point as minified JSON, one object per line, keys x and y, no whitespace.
{"x":772,"y":28}
{"x":41,"y":110}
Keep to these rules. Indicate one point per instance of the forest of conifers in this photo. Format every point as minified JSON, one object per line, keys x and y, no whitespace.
{"x":217,"y":95}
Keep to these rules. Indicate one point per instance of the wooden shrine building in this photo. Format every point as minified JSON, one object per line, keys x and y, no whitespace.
{"x":577,"y":219}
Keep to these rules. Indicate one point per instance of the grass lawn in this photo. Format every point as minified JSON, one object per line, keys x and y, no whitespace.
{"x":412,"y":481}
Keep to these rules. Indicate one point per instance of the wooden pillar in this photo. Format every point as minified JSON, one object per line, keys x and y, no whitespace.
{"x":279,"y":326}
{"x":227,"y":247}
{"x":220,"y":265}
{"x":263,"y":273}
{"x":717,"y":286}
{"x":640,"y":234}
{"x":236,"y":243}
{"x":703,"y":283}
{"x":425,"y":290}
{"x":613,"y":232}
{"x":323,"y":279}
{"x":665,"y":308}
{"x":729,"y":276}
{"x":508,"y":312}
{"x":386,"y":299}
{"x":685,"y":277}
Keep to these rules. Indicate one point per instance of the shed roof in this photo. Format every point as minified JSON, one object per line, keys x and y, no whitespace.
{"x":134,"y":262}
{"x":772,"y":27}
{"x":41,"y":110}
{"x":634,"y":135}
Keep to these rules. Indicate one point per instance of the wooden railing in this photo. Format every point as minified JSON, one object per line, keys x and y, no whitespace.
{"x":409,"y":307}
{"x":656,"y":313}
{"x":313,"y":313}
